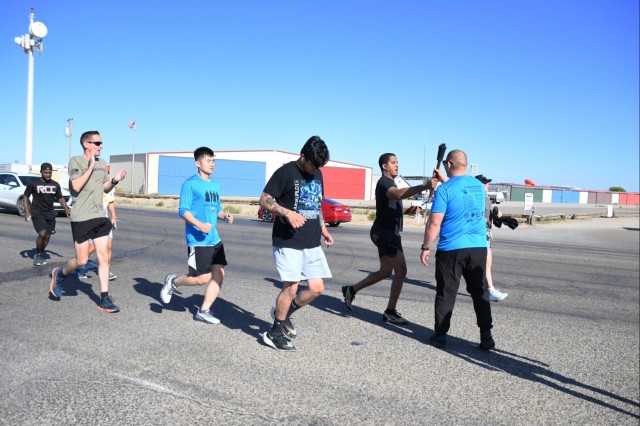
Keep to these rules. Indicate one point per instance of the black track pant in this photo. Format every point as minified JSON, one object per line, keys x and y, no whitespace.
{"x":470,"y":263}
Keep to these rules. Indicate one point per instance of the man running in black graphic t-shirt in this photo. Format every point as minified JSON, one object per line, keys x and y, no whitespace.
{"x":44,"y":192}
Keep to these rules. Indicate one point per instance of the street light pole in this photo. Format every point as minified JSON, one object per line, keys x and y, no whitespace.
{"x":67,"y":131}
{"x":29,"y":42}
{"x":132,"y":126}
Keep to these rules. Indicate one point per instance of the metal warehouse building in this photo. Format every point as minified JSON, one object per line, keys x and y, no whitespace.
{"x":240,"y":173}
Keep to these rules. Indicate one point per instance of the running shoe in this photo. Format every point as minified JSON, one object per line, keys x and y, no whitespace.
{"x":277,"y":342}
{"x":168,"y":288}
{"x":495,"y":295}
{"x":486,"y":340}
{"x":81,"y":273}
{"x":112,"y":276}
{"x":289,"y":329}
{"x":55,"y":287}
{"x":91,"y":265}
{"x":107,"y":305}
{"x":349,"y":295}
{"x":39,"y":260}
{"x":438,"y":340}
{"x":393,"y":317}
{"x":206,"y":316}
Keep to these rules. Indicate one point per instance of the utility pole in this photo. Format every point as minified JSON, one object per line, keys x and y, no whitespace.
{"x":29,"y":42}
{"x":132,"y":126}
{"x":67,"y":132}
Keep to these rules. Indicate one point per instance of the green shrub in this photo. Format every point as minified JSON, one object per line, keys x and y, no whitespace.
{"x":372,"y":216}
{"x":160,"y":204}
{"x":232,"y":209}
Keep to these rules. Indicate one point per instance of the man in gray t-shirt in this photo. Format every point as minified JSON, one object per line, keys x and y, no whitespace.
{"x":88,"y":181}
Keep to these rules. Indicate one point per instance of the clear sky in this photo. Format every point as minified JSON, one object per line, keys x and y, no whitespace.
{"x":541,"y":89}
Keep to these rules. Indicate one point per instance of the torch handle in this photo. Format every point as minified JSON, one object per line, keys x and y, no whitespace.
{"x":441,"y":150}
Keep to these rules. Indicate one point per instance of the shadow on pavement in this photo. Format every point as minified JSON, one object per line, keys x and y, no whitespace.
{"x":230,"y":315}
{"x":535,"y":371}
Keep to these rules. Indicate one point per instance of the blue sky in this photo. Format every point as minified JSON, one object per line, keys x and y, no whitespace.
{"x":538,"y":89}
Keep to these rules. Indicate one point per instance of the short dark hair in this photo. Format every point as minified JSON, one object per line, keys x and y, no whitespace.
{"x":87,"y":135}
{"x":316,"y":151}
{"x":384,"y":158}
{"x":203,"y":151}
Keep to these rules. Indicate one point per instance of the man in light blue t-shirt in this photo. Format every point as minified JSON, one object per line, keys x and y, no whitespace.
{"x":457,"y":215}
{"x":201,"y":209}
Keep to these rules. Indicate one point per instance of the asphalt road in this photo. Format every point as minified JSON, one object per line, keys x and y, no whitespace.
{"x":567,"y":336}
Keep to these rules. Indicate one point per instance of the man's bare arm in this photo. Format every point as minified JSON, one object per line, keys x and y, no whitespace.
{"x":269,"y":202}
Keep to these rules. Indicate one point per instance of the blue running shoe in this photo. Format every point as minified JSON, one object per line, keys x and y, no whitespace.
{"x":81,"y":273}
{"x":91,"y":265}
{"x":55,"y":287}
{"x":107,"y":305}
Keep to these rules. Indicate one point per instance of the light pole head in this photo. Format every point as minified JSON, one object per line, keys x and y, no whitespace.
{"x":38,"y":30}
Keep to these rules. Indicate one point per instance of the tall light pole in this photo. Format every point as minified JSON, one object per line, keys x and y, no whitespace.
{"x":67,"y":132}
{"x":29,"y":42}
{"x":132,"y":126}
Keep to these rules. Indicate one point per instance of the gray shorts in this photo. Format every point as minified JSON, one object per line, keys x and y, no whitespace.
{"x":298,"y":265}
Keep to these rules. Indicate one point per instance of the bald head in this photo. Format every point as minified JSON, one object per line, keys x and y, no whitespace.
{"x":456,"y":163}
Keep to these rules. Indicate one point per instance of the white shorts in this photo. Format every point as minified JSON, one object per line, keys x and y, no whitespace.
{"x":299,"y":265}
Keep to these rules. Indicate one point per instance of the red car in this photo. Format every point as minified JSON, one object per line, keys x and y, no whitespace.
{"x":334,"y":213}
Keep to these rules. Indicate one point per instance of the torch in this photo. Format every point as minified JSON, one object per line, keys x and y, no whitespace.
{"x":441,"y":150}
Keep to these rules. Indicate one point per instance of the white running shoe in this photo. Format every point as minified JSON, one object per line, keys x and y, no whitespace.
{"x":495,"y":295}
{"x":206,"y":316}
{"x":168,"y":288}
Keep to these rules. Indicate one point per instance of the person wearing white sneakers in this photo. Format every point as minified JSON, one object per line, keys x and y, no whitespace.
{"x":495,"y":295}
{"x":201,"y":209}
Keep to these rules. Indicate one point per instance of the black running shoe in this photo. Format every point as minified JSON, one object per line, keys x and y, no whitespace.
{"x":438,"y":340}
{"x":349,"y":296}
{"x":486,"y":340}
{"x":277,"y":342}
{"x":289,"y":329}
{"x":393,"y":317}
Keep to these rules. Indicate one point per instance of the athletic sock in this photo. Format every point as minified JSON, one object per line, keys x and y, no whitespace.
{"x":278,"y":327}
{"x":294,"y":307}
{"x":103,"y":294}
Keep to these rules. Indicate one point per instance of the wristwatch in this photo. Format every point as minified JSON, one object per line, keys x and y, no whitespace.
{"x":423,"y":248}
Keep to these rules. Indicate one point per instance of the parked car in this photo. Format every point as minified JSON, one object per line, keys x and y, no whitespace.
{"x":12,"y":186}
{"x":496,"y":196}
{"x":333,"y":211}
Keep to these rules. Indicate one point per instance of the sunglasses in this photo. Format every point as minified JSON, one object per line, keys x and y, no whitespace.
{"x":96,"y":143}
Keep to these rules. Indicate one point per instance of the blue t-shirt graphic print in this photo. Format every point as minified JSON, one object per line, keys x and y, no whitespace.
{"x":309,"y":198}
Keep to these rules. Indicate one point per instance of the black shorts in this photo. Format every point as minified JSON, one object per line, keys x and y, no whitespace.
{"x":388,"y":241}
{"x":202,"y":258}
{"x":44,"y":221}
{"x":90,"y":229}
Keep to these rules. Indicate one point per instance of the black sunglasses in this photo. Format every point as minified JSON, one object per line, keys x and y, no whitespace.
{"x":96,"y":143}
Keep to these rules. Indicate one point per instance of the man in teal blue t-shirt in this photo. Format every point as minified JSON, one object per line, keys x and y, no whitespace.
{"x":457,"y":214}
{"x":200,"y":208}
